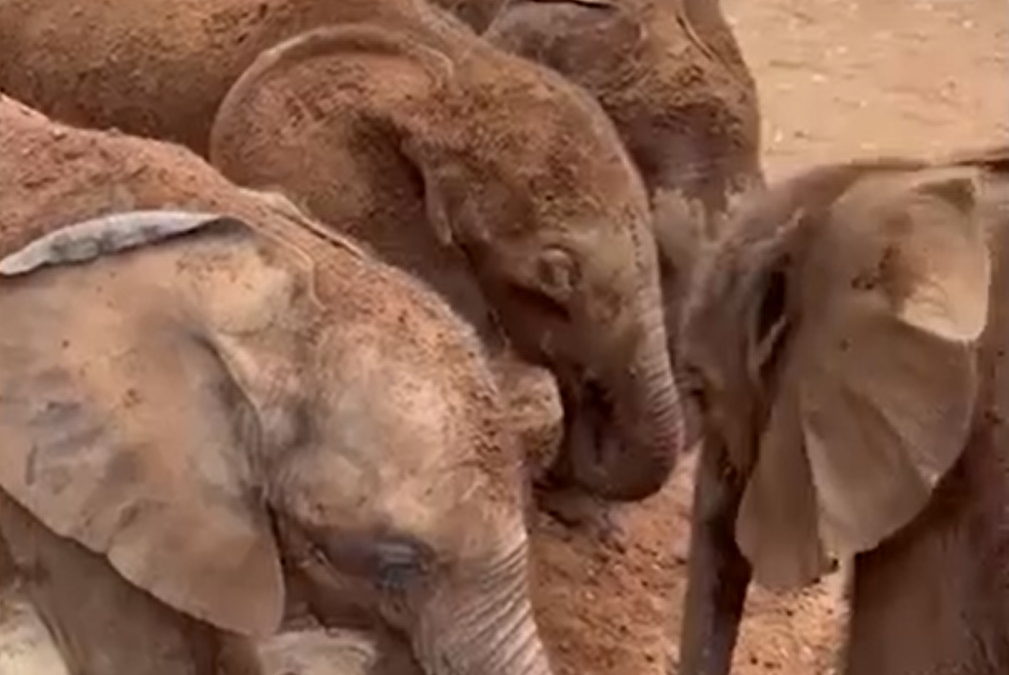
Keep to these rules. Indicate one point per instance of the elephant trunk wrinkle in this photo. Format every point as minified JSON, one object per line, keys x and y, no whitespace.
{"x":627,"y":428}
{"x":484,"y":623}
{"x":508,"y":643}
{"x":653,"y":423}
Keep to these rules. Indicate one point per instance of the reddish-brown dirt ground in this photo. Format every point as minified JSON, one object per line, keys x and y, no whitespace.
{"x":837,"y":79}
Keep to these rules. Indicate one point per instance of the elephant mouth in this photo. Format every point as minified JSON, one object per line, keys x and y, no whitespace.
{"x":592,"y":442}
{"x":616,"y":448}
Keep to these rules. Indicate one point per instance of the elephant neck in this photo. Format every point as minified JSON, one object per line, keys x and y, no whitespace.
{"x":934,"y":596}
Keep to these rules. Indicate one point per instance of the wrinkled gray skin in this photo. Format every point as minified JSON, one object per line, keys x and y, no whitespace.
{"x":201,"y":428}
{"x":849,"y":337}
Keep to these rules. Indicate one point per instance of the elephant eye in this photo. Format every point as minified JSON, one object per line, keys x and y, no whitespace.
{"x":557,"y":274}
{"x":400,"y":563}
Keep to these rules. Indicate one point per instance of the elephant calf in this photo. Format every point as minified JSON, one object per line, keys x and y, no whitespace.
{"x":668,"y":72}
{"x":850,"y":338}
{"x":195,"y":384}
{"x":502,"y":185}
{"x":671,"y":76}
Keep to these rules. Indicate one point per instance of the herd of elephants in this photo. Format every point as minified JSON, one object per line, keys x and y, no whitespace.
{"x":276,"y":275}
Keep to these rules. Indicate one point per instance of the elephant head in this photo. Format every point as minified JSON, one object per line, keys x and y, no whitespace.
{"x":177,"y":388}
{"x":525,"y":188}
{"x":475,"y":13}
{"x":670,"y":75}
{"x":835,"y":333}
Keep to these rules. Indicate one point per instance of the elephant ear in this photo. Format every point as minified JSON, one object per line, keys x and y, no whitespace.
{"x":316,"y":104}
{"x":121,"y":427}
{"x":310,"y":110}
{"x":876,"y":397}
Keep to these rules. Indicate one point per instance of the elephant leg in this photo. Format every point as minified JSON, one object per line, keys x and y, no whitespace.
{"x":102,"y":624}
{"x":718,"y":574}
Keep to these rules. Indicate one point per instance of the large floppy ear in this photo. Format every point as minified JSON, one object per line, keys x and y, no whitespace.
{"x":122,"y":429}
{"x":885,"y":310}
{"x":306,"y":111}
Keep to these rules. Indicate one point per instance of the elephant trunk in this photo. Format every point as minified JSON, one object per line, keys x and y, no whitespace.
{"x":483,"y":623}
{"x":630,"y":429}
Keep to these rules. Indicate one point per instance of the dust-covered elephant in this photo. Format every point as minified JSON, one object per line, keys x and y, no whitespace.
{"x":156,"y":68}
{"x":205,"y":398}
{"x":531,"y":202}
{"x":670,"y":75}
{"x":848,"y":337}
{"x":502,"y":185}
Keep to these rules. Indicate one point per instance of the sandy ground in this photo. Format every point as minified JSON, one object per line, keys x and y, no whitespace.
{"x":837,"y":79}
{"x":850,"y":78}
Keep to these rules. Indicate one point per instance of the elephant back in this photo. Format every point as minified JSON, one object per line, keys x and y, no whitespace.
{"x":55,"y":175}
{"x":152,"y":68}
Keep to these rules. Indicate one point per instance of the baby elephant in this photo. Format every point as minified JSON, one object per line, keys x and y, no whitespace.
{"x":850,"y":335}
{"x":201,"y":397}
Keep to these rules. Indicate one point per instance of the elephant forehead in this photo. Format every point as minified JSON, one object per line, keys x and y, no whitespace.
{"x":390,"y":409}
{"x":397,"y":431}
